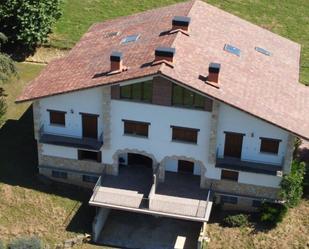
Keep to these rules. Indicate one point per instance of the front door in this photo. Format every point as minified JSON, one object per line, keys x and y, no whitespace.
{"x":233,"y":144}
{"x":90,"y":126}
{"x":185,"y":166}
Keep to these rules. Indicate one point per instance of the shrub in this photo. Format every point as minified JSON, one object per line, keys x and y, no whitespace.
{"x":28,"y":22}
{"x":26,"y":243}
{"x":292,"y":184}
{"x":273,"y":213}
{"x":1,"y":245}
{"x":238,"y":220}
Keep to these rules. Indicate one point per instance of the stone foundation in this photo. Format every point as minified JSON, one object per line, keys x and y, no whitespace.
{"x":75,"y":169}
{"x":243,"y":189}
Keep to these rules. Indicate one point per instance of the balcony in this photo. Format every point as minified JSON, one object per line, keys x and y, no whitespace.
{"x":249,"y":166}
{"x":138,"y":190}
{"x":70,"y":141}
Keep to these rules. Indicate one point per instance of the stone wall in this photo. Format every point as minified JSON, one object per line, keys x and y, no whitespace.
{"x":213,"y":133}
{"x":75,"y":169}
{"x":288,"y":155}
{"x":236,"y":188}
{"x":106,"y":116}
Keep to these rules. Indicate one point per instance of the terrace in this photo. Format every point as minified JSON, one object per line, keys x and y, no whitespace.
{"x":137,"y":189}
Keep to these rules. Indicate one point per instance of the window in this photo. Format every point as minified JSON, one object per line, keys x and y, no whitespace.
{"x":256,"y":203}
{"x":138,"y":92}
{"x":229,"y":175}
{"x":184,"y":134}
{"x":187,"y":98}
{"x":229,"y":199}
{"x":130,"y":38}
{"x":59,"y":174}
{"x":231,"y":49}
{"x":89,"y":178}
{"x":89,"y":155}
{"x":135,"y":128}
{"x":269,"y":145}
{"x":262,"y":51}
{"x":57,"y":117}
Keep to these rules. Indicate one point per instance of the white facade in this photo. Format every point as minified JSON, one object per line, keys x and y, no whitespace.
{"x":159,"y":143}
{"x":87,"y":101}
{"x":232,"y":120}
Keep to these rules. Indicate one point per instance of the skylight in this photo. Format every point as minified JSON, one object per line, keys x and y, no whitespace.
{"x":231,"y":49}
{"x":263,"y":51}
{"x":130,"y":38}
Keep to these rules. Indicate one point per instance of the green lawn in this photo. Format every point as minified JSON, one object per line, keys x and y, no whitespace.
{"x":288,"y":18}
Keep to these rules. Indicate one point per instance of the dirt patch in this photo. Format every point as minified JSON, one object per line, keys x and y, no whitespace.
{"x":44,"y":55}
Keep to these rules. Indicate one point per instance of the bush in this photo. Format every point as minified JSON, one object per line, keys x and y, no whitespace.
{"x":28,"y":22}
{"x":292,"y":184}
{"x":238,"y":220}
{"x":1,"y":245}
{"x":26,"y":243}
{"x":273,"y":213}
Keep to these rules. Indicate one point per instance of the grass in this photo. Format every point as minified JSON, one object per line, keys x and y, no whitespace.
{"x":288,"y":18}
{"x":293,"y":232}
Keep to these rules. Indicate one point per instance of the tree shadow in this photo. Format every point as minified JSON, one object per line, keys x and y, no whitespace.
{"x":18,"y":52}
{"x":18,"y":167}
{"x":18,"y":160}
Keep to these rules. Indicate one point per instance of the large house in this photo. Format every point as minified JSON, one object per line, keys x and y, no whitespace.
{"x":169,"y":110}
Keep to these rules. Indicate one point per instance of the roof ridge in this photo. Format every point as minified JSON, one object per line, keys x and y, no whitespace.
{"x":192,"y":3}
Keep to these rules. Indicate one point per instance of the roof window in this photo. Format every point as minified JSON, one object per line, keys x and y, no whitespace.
{"x":262,"y":51}
{"x":231,"y":49}
{"x":130,"y":38}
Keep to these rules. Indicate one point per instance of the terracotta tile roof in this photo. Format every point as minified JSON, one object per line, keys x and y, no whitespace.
{"x":264,"y":86}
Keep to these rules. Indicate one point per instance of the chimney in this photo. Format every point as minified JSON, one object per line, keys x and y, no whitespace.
{"x":181,"y":22}
{"x":214,"y":70}
{"x":164,"y":53}
{"x":116,"y":61}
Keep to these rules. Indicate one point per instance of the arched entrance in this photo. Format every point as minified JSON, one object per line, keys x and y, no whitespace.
{"x":139,"y":160}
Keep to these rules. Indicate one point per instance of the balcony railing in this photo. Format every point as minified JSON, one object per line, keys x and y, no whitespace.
{"x":249,"y":166}
{"x":114,"y":192}
{"x":70,"y":141}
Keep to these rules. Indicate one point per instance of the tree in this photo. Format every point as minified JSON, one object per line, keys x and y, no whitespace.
{"x":28,"y":22}
{"x":7,"y":69}
{"x":292,"y":184}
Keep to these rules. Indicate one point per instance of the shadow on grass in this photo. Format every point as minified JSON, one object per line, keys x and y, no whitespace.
{"x":18,"y":167}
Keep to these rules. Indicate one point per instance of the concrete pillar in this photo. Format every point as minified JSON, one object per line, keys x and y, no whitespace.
{"x":161,"y":171}
{"x":288,"y":158}
{"x":106,"y":116}
{"x":99,"y":222}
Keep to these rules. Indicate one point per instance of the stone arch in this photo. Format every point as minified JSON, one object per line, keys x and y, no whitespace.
{"x":135,"y":151}
{"x":191,"y":159}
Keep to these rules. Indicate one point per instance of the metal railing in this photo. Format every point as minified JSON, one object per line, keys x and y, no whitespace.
{"x":42,"y":132}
